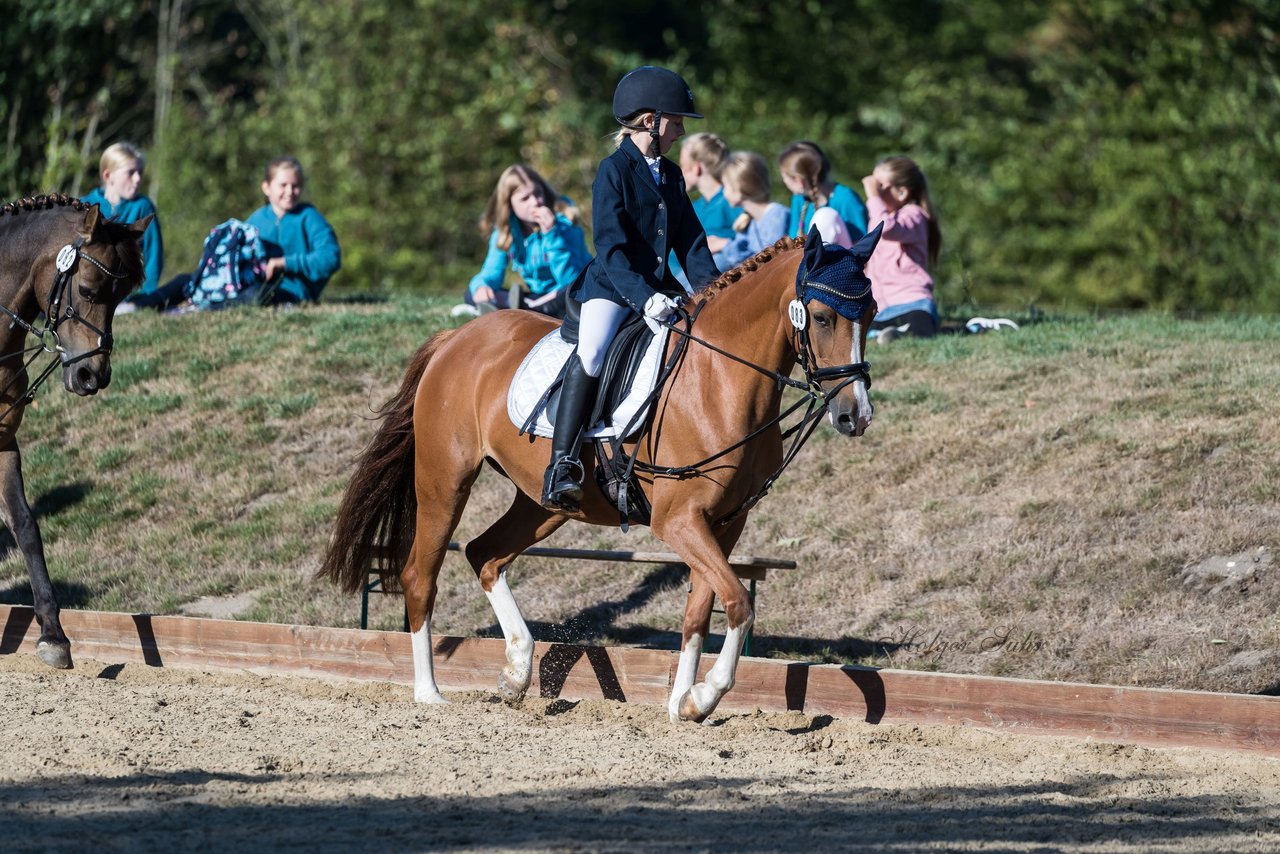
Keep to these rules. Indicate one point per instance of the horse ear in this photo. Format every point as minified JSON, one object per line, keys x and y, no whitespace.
{"x":813,"y":250}
{"x":863,"y":248}
{"x":139,"y":226}
{"x":90,"y":223}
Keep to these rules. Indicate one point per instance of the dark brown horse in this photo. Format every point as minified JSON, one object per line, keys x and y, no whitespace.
{"x":450,"y":416}
{"x":62,"y":262}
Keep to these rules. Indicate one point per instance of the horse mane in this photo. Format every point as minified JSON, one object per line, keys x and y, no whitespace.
{"x":38,"y":203}
{"x":751,"y":265}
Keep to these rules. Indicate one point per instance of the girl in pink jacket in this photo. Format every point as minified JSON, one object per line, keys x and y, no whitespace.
{"x":898,"y":196}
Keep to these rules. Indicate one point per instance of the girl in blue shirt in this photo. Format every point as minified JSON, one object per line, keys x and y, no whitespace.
{"x":806,"y":172}
{"x":534,"y":232}
{"x":121,"y":168}
{"x":302,"y":249}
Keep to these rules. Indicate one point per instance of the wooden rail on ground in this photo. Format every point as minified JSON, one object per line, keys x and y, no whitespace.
{"x":1157,"y":717}
{"x":749,"y":568}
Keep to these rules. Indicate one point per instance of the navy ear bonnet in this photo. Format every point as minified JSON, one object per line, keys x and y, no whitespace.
{"x":834,"y":275}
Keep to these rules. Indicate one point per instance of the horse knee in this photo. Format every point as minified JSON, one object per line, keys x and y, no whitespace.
{"x":739,"y":612}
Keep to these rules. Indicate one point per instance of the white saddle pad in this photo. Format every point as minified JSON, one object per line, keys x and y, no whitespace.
{"x":543,"y":364}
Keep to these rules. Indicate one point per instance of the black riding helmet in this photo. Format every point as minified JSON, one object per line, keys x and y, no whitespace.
{"x":652,"y":89}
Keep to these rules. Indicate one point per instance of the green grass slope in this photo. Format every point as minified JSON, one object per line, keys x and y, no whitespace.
{"x":1084,"y":500}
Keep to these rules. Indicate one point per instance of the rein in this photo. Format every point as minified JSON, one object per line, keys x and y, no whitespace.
{"x":817,"y":400}
{"x":54,"y":316}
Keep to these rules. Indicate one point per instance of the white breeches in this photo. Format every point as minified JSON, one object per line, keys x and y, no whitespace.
{"x":597,"y":324}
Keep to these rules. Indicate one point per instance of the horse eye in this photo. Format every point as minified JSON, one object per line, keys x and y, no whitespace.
{"x":88,"y":292}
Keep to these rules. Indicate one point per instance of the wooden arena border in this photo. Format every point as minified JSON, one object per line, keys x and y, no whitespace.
{"x":1156,"y":717}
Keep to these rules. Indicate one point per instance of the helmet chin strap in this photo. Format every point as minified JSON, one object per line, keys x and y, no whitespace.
{"x":656,"y":132}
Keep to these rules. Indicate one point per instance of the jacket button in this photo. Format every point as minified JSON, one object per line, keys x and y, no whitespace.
{"x":661,"y":206}
{"x":659,"y":232}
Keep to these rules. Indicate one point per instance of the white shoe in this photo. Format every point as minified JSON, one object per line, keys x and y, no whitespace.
{"x":983,"y":324}
{"x":126,"y":308}
{"x":464,"y":310}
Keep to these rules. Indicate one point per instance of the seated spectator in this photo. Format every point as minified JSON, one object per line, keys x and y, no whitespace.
{"x":762,"y":222}
{"x":299,"y":253}
{"x":806,"y":172}
{"x":703,"y":157}
{"x":898,"y":197}
{"x":534,"y":232}
{"x":118,"y":198}
{"x":302,"y":249}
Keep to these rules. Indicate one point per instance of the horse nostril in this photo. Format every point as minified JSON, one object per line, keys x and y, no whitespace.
{"x":85,"y":378}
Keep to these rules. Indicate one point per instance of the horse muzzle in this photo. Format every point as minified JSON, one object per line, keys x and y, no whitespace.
{"x":86,"y":376}
{"x":851,"y":413}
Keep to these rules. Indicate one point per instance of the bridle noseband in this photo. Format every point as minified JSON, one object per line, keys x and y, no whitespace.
{"x":60,"y":309}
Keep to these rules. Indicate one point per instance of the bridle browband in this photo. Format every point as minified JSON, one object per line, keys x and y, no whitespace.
{"x":60,"y":309}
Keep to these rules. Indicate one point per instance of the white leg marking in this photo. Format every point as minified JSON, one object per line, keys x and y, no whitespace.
{"x":424,"y":675}
{"x":686,"y":672}
{"x":707,"y":695}
{"x":515,"y":677}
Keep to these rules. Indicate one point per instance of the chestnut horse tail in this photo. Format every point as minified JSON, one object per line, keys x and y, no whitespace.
{"x":376,"y":519}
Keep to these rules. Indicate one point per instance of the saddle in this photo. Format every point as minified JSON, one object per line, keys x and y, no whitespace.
{"x":621,"y":408}
{"x":621,"y":363}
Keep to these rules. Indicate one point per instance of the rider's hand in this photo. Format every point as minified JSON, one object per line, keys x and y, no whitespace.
{"x":659,"y":307}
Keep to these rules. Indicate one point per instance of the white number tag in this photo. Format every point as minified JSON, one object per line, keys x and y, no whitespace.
{"x":66,"y":258}
{"x":799,"y":314}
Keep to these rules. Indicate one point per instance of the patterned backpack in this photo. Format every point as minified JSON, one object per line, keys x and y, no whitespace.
{"x":232,"y":269}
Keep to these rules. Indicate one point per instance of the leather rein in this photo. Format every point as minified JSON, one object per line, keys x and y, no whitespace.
{"x":60,"y":309}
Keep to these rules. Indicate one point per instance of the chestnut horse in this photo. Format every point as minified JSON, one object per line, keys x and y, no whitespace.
{"x":59,"y":259}
{"x":450,"y":416}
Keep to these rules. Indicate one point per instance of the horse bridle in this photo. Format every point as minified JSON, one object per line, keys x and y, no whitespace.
{"x":55,"y":314}
{"x":813,"y":397}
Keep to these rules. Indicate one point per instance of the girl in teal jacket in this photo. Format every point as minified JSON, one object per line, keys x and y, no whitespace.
{"x":118,"y":199}
{"x":301,"y":246}
{"x":535,"y":233}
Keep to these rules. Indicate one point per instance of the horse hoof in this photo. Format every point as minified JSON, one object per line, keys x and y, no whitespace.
{"x":689,"y":710}
{"x":511,"y":689}
{"x":55,"y":654}
{"x":436,"y":699}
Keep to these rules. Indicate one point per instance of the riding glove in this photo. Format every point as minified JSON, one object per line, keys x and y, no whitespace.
{"x":659,"y":307}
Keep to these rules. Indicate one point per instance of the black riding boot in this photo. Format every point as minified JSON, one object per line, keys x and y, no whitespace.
{"x":562,"y":485}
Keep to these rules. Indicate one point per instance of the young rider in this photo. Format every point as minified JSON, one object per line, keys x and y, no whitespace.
{"x":641,"y":214}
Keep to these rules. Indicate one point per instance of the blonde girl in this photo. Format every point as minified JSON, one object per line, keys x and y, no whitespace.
{"x":762,"y":222}
{"x":121,"y":167}
{"x":535,"y":232}
{"x":703,"y":157}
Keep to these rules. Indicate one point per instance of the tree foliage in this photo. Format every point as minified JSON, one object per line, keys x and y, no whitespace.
{"x":1092,"y":154}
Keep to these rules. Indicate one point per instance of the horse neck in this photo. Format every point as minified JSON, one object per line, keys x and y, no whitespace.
{"x":749,"y":317}
{"x":24,"y":238}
